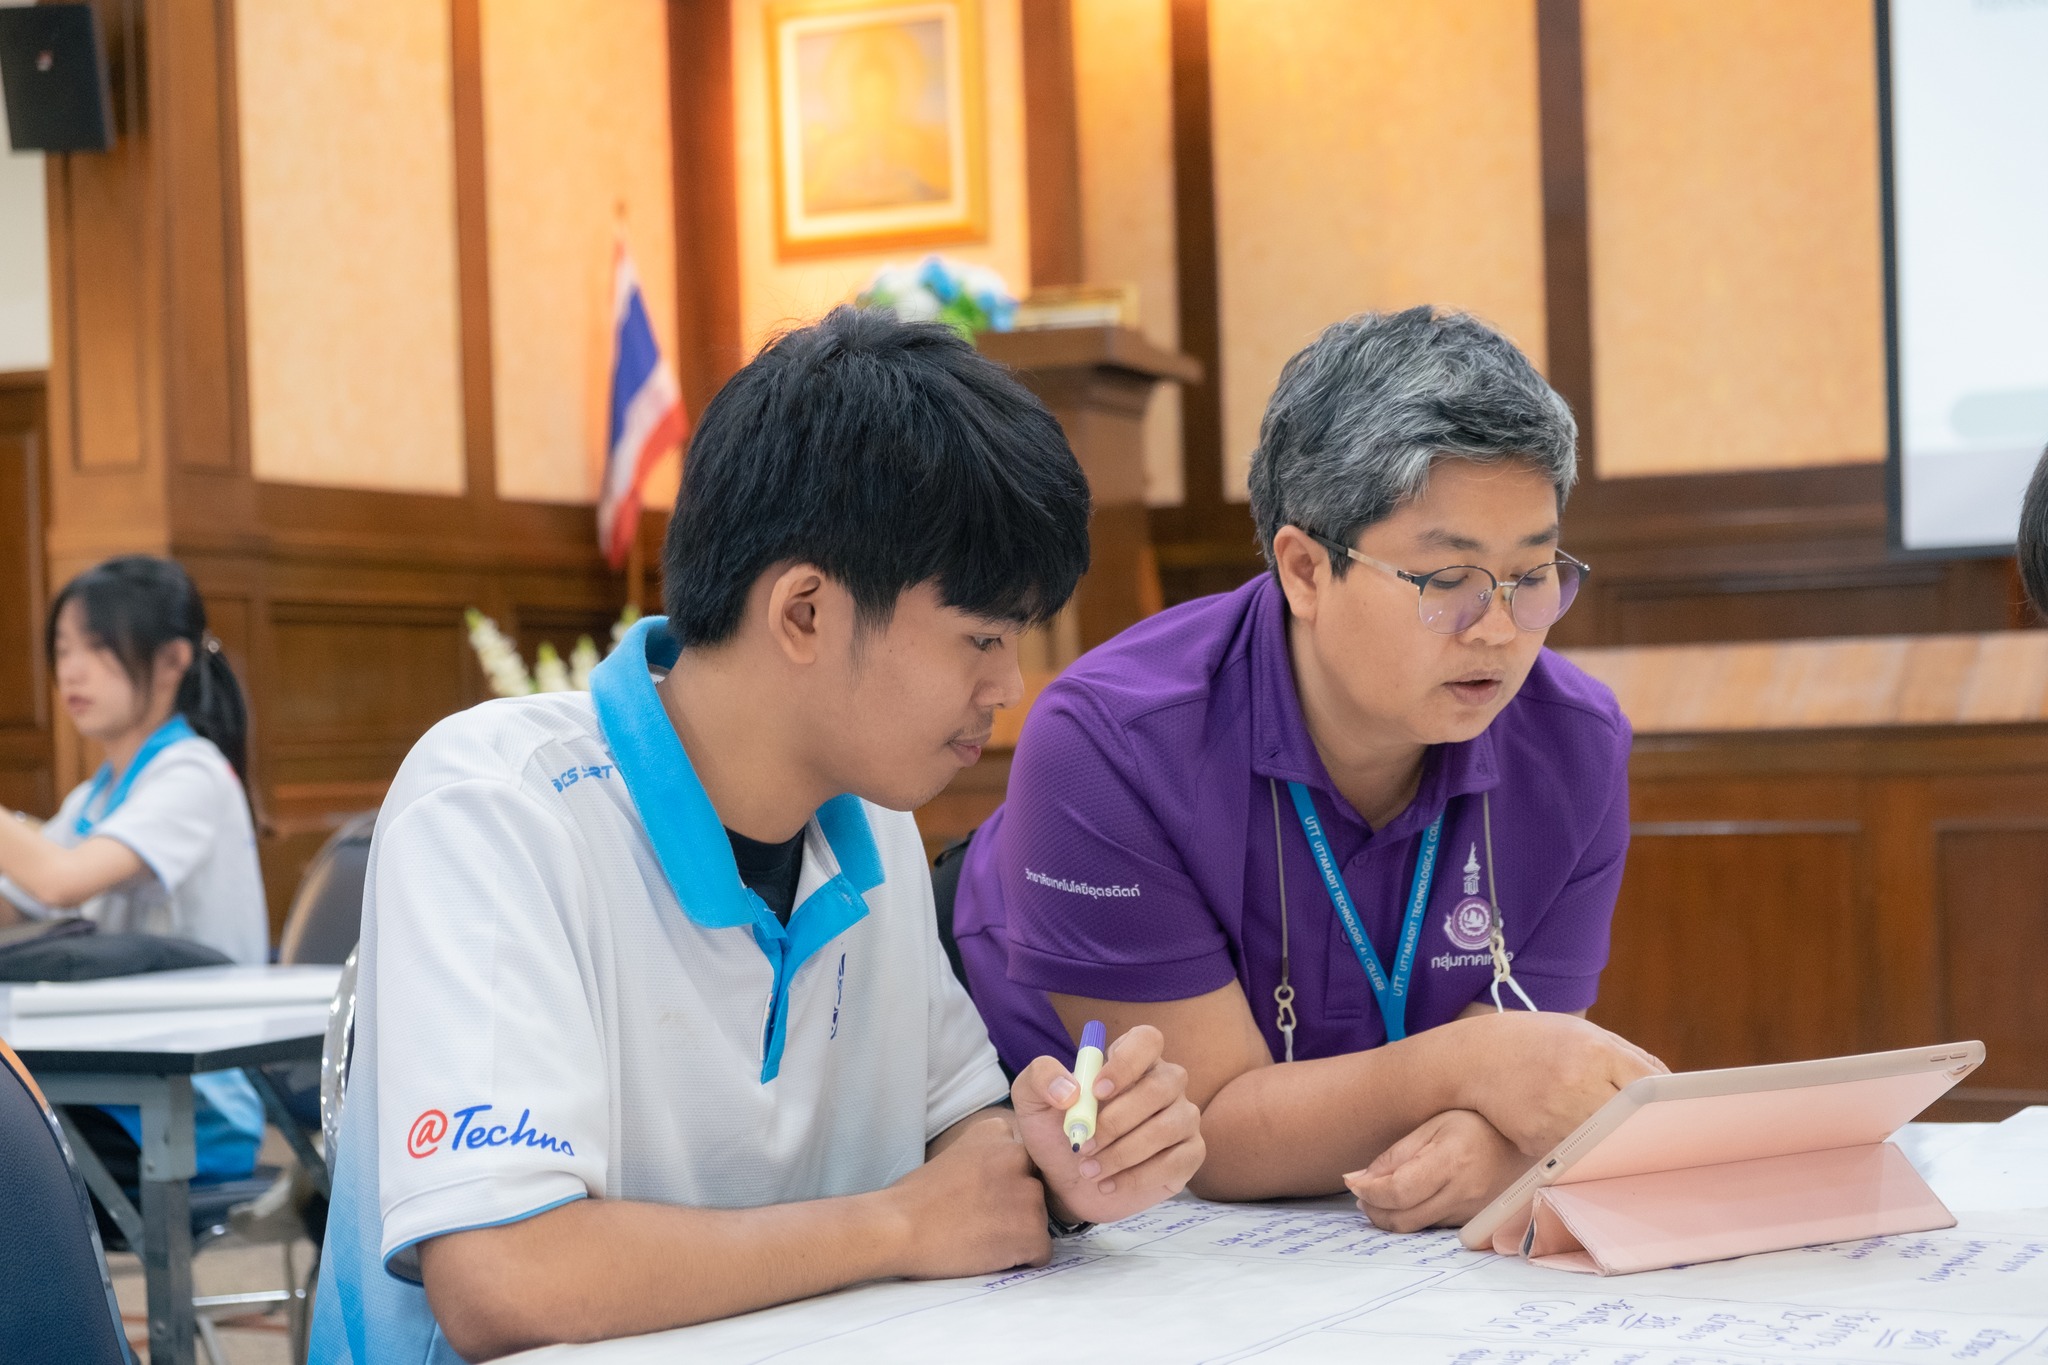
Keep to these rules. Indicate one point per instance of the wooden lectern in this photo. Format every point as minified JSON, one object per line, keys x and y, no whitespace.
{"x":1097,"y":381}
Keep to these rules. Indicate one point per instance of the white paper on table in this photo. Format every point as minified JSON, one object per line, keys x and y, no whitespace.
{"x":2000,"y":1166}
{"x":1191,"y":1281}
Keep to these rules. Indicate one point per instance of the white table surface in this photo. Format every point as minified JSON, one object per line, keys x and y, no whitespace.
{"x":173,"y":1031}
{"x":298,"y":1008}
{"x":1312,"y":1281}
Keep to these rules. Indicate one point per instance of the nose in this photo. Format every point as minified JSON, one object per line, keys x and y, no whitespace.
{"x":1006,"y":688}
{"x":1496,"y":625}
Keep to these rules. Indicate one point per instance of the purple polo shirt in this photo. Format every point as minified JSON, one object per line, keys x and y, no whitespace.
{"x":1134,"y":858}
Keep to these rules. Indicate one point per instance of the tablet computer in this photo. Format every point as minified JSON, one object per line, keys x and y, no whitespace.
{"x":1705,"y":1118}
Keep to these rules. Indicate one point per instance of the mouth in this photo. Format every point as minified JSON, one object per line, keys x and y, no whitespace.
{"x":1475,"y":691}
{"x":75,"y":704}
{"x":968,"y":751}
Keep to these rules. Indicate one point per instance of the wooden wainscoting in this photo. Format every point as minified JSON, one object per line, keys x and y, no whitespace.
{"x":346,"y":624}
{"x":27,"y":778}
{"x":1796,"y":894}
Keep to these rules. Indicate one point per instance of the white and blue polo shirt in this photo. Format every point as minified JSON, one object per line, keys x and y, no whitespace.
{"x":566,"y":991}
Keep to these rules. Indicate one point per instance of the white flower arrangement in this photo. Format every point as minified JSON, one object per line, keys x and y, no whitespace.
{"x":507,"y":672}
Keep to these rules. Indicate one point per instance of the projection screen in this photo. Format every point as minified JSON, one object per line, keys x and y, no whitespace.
{"x":1963,"y":87}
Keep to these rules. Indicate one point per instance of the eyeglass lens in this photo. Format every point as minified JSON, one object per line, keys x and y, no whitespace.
{"x":1454,"y":600}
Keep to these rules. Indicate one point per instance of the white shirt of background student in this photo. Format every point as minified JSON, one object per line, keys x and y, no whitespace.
{"x":177,"y":857}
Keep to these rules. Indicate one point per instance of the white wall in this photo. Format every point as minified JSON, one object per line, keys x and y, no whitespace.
{"x":24,"y":260}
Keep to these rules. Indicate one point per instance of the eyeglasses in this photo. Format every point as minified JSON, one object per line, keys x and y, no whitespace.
{"x":1453,"y":600}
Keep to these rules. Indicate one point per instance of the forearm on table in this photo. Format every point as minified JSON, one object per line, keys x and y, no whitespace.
{"x":1295,"y":1129}
{"x":947,"y":1137}
{"x":597,"y":1269}
{"x":62,"y":877}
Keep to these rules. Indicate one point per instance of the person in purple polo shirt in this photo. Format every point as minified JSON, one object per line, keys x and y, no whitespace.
{"x":1349,"y":835}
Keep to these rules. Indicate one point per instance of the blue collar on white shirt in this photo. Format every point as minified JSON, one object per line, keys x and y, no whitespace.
{"x":690,"y":840}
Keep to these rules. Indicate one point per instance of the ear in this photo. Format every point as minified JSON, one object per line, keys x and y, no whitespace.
{"x":174,"y":658}
{"x":1303,"y":567}
{"x":795,"y":601}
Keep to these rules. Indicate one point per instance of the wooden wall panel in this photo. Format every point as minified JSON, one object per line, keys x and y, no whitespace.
{"x":1738,"y":942}
{"x":1888,"y":886}
{"x":27,"y":780}
{"x":416,"y":656}
{"x":560,"y":626}
{"x":1993,"y":897}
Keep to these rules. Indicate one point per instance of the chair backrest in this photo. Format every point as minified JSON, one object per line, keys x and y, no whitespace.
{"x":326,"y":916}
{"x":59,"y":1300}
{"x":945,"y":888}
{"x":335,"y":1056}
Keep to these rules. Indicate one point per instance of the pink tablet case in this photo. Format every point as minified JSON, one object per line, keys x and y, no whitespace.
{"x":1712,"y":1177}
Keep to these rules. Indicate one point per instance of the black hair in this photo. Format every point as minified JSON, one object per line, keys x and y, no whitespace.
{"x":2033,"y":540}
{"x":135,"y":605}
{"x":888,"y":454}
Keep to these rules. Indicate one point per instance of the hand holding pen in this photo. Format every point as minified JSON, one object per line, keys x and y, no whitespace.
{"x":1141,"y":1144}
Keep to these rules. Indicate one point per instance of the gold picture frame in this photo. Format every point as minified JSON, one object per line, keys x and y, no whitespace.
{"x":878,"y":131}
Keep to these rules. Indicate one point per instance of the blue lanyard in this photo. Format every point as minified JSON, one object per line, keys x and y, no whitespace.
{"x":160,"y":739}
{"x":1391,"y":994}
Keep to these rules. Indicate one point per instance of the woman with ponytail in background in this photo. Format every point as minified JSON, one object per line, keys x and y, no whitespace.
{"x":160,"y":840}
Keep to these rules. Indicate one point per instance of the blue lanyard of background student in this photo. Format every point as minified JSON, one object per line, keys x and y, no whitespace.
{"x":163,"y":737}
{"x":1391,"y":994}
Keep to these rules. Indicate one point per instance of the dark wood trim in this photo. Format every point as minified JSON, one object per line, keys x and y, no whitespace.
{"x":1052,"y":143}
{"x":472,"y":250}
{"x":1884,"y":751}
{"x":709,"y":345}
{"x":1567,"y":266}
{"x":234,"y":286}
{"x":1195,"y":264}
{"x":1206,"y":544}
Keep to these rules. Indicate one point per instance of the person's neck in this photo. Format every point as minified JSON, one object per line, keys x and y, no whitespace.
{"x":1377,"y":774}
{"x":738,"y":742}
{"x":120,"y":750}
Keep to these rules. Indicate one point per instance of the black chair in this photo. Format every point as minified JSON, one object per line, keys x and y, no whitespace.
{"x":945,"y":889}
{"x":326,"y":917}
{"x":59,"y":1301}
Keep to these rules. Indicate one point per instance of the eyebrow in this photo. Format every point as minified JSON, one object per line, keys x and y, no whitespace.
{"x":1450,"y":540}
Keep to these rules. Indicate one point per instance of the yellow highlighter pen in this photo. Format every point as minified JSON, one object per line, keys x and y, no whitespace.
{"x":1087,"y":1066}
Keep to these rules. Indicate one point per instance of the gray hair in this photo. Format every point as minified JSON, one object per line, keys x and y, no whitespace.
{"x":1362,"y":412}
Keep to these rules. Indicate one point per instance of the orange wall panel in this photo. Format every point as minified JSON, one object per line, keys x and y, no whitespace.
{"x":576,"y":124}
{"x":348,"y":243}
{"x":1368,"y":156}
{"x":1732,"y":168}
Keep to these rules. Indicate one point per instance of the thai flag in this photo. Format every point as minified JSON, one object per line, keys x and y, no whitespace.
{"x":646,"y":415}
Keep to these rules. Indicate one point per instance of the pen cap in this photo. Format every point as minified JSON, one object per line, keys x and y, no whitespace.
{"x":1094,"y":1035}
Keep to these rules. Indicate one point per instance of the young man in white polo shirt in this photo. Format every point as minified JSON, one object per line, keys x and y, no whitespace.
{"x":653,"y":1025}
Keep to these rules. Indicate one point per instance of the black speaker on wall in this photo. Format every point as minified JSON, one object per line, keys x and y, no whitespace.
{"x":54,"y":68}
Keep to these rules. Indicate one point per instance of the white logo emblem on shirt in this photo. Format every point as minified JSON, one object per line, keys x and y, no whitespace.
{"x":1470,"y":924}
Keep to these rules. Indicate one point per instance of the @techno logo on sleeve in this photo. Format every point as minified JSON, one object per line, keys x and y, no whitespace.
{"x":426,"y":1133}
{"x":474,"y":1129}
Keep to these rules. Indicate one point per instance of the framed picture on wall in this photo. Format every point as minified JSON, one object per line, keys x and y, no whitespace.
{"x":878,"y":126}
